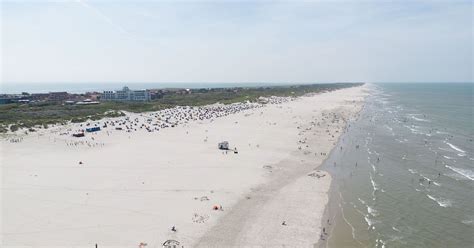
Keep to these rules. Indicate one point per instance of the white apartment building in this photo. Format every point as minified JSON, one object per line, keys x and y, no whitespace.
{"x":126,"y":95}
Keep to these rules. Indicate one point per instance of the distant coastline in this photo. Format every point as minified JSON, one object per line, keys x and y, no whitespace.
{"x":36,"y":110}
{"x":79,"y":87}
{"x":18,"y":88}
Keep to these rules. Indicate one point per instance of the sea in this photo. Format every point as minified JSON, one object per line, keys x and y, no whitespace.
{"x":403,"y":172}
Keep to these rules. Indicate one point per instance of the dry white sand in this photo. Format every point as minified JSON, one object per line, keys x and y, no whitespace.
{"x":133,"y":187}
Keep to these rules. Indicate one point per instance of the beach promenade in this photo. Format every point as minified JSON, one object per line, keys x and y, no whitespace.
{"x":151,"y":177}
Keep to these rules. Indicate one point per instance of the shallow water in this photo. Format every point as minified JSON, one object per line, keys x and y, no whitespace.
{"x":405,"y":175}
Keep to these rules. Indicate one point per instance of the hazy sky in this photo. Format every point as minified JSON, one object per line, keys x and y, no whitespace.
{"x":236,"y":41}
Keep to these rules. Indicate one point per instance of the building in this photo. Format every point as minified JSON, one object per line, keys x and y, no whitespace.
{"x":39,"y":96}
{"x":126,"y":95}
{"x":94,"y":96}
{"x":58,"y":96}
{"x":51,"y":96}
{"x":6,"y":100}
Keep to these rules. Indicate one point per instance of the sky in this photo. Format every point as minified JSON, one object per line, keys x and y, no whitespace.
{"x":236,"y":41}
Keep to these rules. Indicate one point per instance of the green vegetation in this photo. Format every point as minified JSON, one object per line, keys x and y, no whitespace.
{"x":16,"y":115}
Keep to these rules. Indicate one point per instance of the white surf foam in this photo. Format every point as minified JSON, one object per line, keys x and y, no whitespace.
{"x":369,"y":222}
{"x":444,"y":149}
{"x":374,"y":184}
{"x":469,"y":174}
{"x":419,"y":119}
{"x":441,"y":202}
{"x":373,"y":167}
{"x":455,"y":147}
{"x":372,"y":211}
{"x":468,"y":222}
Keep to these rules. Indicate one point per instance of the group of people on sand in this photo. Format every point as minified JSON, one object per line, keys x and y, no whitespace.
{"x":84,"y":143}
{"x":154,"y":121}
{"x":16,"y":140}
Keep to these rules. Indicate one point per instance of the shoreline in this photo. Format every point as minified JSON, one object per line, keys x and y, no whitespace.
{"x":328,"y":219}
{"x":265,"y":171}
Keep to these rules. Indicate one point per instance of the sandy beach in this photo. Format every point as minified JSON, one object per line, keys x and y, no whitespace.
{"x":123,"y":188}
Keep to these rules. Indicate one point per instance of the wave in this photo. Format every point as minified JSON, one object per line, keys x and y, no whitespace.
{"x":444,"y":149}
{"x":419,"y":119}
{"x":413,"y":116}
{"x":369,"y":222}
{"x":469,"y":174}
{"x":401,"y":141}
{"x":381,"y":242}
{"x":374,"y":184}
{"x":373,"y":167}
{"x":344,"y":217}
{"x":441,"y":202}
{"x":413,"y":129}
{"x":425,"y":177}
{"x":372,"y":211}
{"x":390,"y":129}
{"x":455,"y":147}
{"x":468,"y":222}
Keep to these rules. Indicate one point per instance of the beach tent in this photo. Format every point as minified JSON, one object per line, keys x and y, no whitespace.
{"x":224,"y":145}
{"x":92,"y":129}
{"x":171,"y":244}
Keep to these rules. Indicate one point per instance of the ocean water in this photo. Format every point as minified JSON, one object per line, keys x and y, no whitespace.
{"x":404,"y":171}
